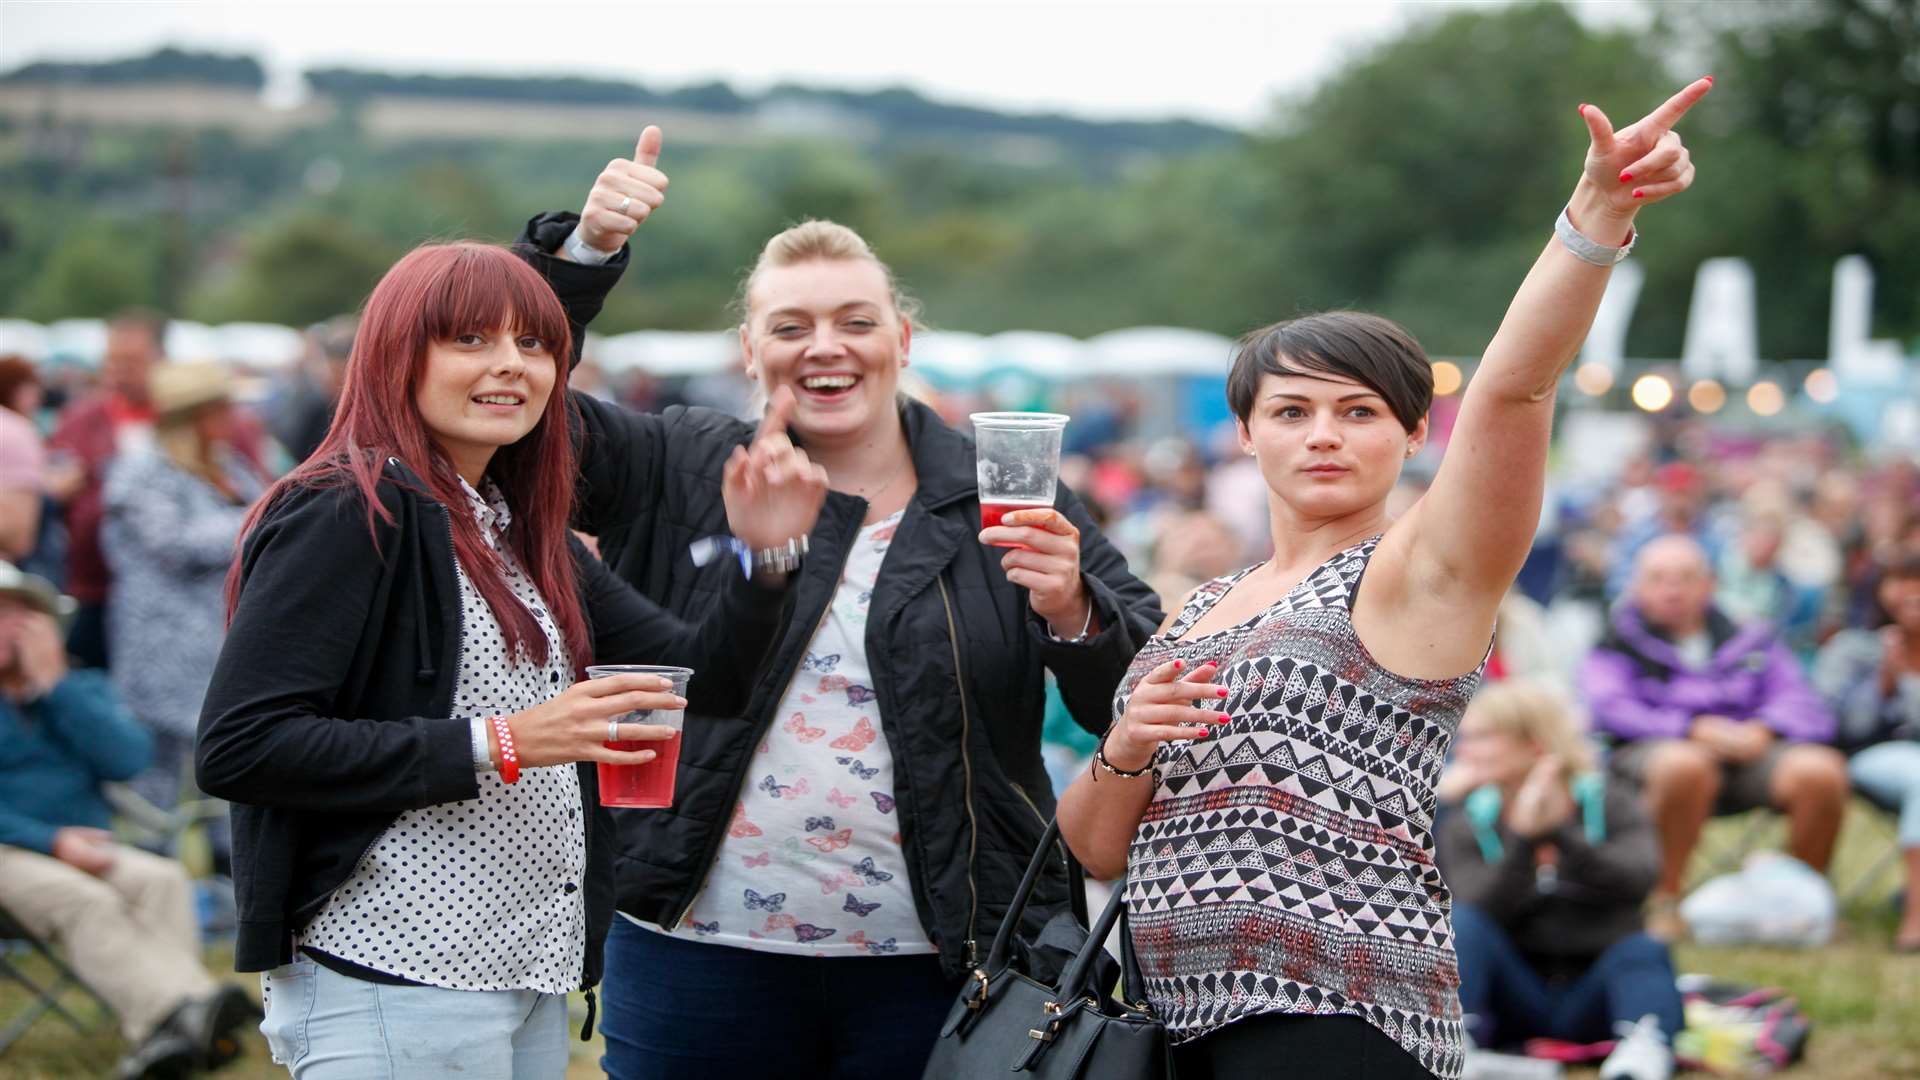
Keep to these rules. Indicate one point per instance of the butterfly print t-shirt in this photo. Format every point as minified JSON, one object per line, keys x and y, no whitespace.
{"x":811,"y":863}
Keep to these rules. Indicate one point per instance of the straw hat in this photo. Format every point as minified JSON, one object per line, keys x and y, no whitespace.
{"x":34,"y":591}
{"x":184,"y":385}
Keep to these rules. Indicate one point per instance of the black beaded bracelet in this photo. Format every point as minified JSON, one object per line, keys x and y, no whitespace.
{"x":1100,"y":759}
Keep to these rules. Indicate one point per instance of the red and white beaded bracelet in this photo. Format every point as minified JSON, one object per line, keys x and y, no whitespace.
{"x":509,"y":762}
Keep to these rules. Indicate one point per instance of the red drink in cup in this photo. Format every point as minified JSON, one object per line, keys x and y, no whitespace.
{"x":1017,"y":463}
{"x":992,"y":512}
{"x":649,"y":785}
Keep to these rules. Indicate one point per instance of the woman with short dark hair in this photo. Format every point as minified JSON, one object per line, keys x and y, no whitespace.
{"x":1278,"y":841}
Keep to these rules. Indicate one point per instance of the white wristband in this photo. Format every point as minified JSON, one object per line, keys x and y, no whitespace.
{"x":1589,"y":250}
{"x":585,"y":254}
{"x":482,"y":745}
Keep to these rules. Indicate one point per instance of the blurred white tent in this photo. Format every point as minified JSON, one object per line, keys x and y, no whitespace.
{"x":1036,"y":352}
{"x":666,"y":353}
{"x":82,"y":341}
{"x":947,"y":356}
{"x":1147,"y":351}
{"x":950,"y":356}
{"x":262,"y":345}
{"x":19,"y":337}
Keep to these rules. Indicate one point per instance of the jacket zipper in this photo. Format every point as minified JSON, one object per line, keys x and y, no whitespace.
{"x":747,"y":773}
{"x":966,"y":766}
{"x":1025,"y":798}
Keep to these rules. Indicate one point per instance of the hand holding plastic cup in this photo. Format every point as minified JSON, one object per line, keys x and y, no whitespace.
{"x":1017,"y":462}
{"x":649,"y":785}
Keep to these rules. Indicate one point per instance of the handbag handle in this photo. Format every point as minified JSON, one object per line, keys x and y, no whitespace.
{"x":1003,"y":938}
{"x":1073,"y":982}
{"x":1133,"y":982}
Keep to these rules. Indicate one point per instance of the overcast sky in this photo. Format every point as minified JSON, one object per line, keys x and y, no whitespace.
{"x":1215,"y":61}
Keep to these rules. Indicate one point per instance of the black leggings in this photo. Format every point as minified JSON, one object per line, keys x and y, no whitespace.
{"x":1321,"y":1047}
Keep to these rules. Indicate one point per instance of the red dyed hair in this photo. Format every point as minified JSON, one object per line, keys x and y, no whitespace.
{"x":434,"y":294}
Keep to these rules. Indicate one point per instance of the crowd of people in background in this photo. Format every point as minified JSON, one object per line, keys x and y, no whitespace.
{"x":1728,"y":622}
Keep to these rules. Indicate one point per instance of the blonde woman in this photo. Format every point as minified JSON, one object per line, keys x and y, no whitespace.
{"x":1550,"y":863}
{"x":836,"y":850}
{"x":173,"y":511}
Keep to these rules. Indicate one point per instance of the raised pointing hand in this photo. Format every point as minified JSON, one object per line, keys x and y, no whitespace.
{"x":773,"y":492}
{"x":1643,"y":162}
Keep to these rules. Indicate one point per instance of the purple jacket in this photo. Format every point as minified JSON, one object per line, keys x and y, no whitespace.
{"x":1639,"y":688}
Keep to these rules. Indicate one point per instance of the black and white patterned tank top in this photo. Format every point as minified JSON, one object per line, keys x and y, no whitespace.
{"x":1286,"y":861}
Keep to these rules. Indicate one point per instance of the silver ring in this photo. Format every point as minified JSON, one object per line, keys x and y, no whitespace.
{"x":613,"y":731}
{"x":625,"y":201}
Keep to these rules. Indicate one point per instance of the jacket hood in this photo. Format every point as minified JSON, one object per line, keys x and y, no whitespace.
{"x":1631,"y":634}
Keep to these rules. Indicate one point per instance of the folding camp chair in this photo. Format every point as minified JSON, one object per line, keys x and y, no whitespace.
{"x":1727,"y":841}
{"x":1882,"y":819}
{"x":44,"y":998}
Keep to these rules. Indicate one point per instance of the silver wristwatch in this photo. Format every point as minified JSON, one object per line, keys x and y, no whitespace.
{"x":784,"y":559}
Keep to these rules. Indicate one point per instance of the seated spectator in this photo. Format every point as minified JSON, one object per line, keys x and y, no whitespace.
{"x":1754,"y":583}
{"x":1715,"y":718}
{"x":1550,"y":862}
{"x":1872,"y":677}
{"x":124,"y":918}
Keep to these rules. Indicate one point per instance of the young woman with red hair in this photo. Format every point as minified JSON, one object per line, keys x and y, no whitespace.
{"x":397,"y":716}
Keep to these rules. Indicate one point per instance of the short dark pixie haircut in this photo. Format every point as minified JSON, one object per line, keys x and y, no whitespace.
{"x":1375,"y":352}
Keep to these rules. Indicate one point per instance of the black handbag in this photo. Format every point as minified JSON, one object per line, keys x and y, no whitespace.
{"x":1006,"y":1020}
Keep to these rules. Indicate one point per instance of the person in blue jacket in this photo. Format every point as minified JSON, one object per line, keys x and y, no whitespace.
{"x":123,"y":918}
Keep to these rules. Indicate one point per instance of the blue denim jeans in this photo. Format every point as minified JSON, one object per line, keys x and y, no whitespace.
{"x":1889,"y":774}
{"x":323,"y":1025}
{"x":673,"y":1009}
{"x":1506,"y":1001}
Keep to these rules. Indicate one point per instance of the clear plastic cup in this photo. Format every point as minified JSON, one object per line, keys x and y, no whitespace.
{"x":1016,"y":461}
{"x":649,"y":785}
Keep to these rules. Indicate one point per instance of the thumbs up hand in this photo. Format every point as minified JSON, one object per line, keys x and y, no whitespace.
{"x":626,"y":191}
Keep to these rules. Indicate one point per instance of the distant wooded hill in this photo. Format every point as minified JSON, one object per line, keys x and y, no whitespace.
{"x":874,"y":115}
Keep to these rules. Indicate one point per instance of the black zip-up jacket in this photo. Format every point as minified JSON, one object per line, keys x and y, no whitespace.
{"x":330,"y":708}
{"x":973,"y":795}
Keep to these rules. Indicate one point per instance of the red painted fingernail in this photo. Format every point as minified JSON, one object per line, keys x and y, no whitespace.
{"x":1625,"y":176}
{"x":1639,"y":194}
{"x":1177,"y":665}
{"x":1582,"y":110}
{"x":1223,"y":691}
{"x":1709,"y":78}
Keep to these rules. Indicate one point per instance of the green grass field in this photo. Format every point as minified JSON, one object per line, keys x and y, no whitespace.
{"x":1864,"y":1000}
